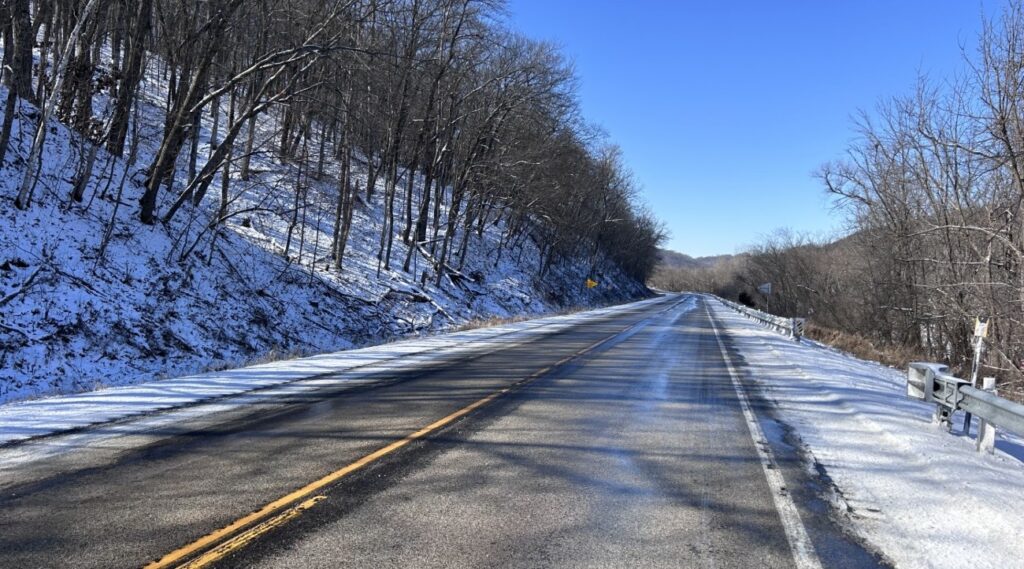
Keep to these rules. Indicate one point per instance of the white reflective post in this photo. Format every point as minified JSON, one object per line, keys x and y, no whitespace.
{"x":986,"y":441}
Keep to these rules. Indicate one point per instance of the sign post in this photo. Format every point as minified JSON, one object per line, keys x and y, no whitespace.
{"x":766,"y":290}
{"x":980,"y":333}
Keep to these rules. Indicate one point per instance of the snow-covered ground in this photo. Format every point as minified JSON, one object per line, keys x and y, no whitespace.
{"x":921,"y":496}
{"x":150,"y":406}
{"x":175,"y":299}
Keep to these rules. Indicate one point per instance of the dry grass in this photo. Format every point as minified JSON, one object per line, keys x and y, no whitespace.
{"x":276,"y":354}
{"x":896,"y":356}
{"x":489,"y":322}
{"x":495,"y":321}
{"x":861,"y":347}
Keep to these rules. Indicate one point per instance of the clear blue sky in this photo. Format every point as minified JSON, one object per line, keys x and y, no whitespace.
{"x":724,"y":109}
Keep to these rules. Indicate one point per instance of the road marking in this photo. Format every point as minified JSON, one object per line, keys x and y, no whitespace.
{"x":244,"y":530}
{"x":247,"y":537}
{"x":800,"y":544}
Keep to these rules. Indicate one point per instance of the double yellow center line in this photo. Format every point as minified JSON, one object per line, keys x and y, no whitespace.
{"x":243,"y":531}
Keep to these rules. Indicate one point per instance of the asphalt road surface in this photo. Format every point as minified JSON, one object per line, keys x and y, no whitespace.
{"x":621,"y":442}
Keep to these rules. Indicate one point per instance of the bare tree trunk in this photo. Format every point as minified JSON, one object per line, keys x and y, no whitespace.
{"x":250,"y":139}
{"x":19,"y":77}
{"x":193,"y":153}
{"x":28,"y":182}
{"x":128,"y":83}
{"x":5,"y":133}
{"x":300,"y":190}
{"x":109,"y":231}
{"x":84,"y":174}
{"x":410,"y":185}
{"x":347,"y":198}
{"x":225,"y":179}
{"x":420,"y":235}
{"x":321,"y":152}
{"x":44,"y":50}
{"x":215,"y":127}
{"x":162,"y":168}
{"x":371,"y":175}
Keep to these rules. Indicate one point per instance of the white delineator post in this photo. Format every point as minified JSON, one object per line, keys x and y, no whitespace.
{"x":986,"y":441}
{"x":980,"y":332}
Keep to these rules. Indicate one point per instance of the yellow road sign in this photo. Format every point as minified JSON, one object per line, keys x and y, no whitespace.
{"x":591,"y":283}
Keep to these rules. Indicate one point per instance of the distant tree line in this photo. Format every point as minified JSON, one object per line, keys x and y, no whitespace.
{"x":486,"y":118}
{"x":934,"y":189}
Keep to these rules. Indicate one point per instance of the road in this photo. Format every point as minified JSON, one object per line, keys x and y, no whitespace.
{"x":621,"y":442}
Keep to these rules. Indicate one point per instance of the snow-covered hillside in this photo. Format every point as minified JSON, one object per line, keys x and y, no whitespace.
{"x":168,"y":300}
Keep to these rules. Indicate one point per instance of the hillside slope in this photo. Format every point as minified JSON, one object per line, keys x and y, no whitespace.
{"x":167,"y":300}
{"x":669,"y":259}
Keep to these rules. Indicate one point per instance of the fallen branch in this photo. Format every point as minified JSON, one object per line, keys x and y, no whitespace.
{"x":419,"y":296}
{"x":17,"y":331}
{"x":450,"y":270}
{"x":23,"y":288}
{"x":414,"y":295}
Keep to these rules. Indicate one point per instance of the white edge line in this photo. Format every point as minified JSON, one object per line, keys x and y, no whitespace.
{"x":800,"y":544}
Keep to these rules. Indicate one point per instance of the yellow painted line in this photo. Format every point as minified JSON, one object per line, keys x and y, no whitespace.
{"x":179,"y":554}
{"x":222,"y":539}
{"x":250,"y":535}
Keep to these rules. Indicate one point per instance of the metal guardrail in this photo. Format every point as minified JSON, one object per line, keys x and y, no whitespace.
{"x":929,"y":382}
{"x":792,"y":327}
{"x":989,"y":406}
{"x":932,"y":383}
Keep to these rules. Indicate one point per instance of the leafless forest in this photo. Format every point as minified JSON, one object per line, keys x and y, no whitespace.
{"x":933,"y":186}
{"x":487,"y":119}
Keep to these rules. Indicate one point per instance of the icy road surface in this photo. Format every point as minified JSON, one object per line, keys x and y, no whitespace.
{"x":667,"y":433}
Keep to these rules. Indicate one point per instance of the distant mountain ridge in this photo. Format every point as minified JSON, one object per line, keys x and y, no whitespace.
{"x":668,"y":259}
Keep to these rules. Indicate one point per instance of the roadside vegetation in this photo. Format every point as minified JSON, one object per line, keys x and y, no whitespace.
{"x":933,"y":187}
{"x":199,"y":184}
{"x":437,"y":87}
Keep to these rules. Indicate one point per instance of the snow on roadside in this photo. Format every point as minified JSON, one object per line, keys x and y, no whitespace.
{"x":177,"y":298}
{"x":921,"y":496}
{"x":32,"y":419}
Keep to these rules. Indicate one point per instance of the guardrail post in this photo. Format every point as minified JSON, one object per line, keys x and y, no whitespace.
{"x":798,"y":328}
{"x":943,"y":417}
{"x":986,"y":441}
